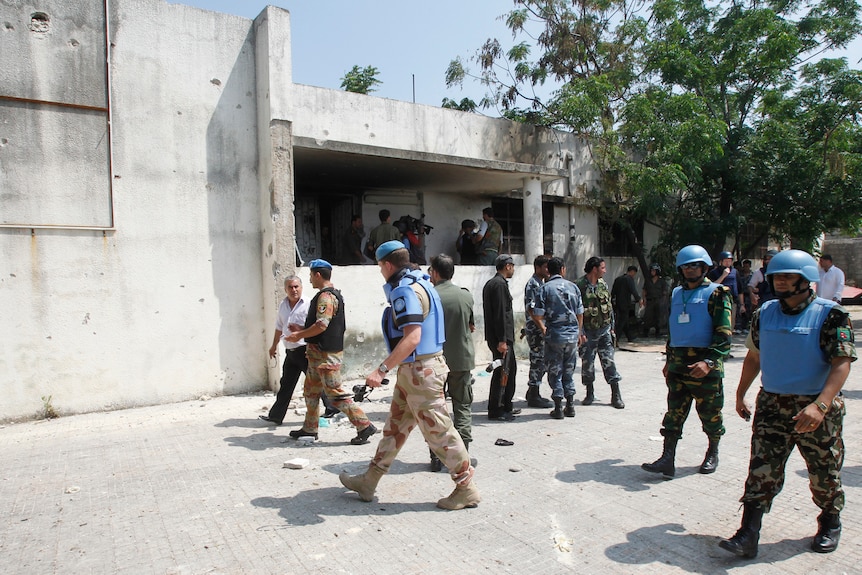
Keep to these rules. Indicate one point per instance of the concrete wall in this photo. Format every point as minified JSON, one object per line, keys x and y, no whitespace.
{"x":323,"y":114}
{"x":176,"y":296}
{"x":168,"y":307}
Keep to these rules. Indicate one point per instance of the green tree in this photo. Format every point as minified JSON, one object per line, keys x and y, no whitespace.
{"x":360,"y":80}
{"x":465,"y":105}
{"x":681,"y":102}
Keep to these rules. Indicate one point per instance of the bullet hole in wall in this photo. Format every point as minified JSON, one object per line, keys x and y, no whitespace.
{"x":40,"y":23}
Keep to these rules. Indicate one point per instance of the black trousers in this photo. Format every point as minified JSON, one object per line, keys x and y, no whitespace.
{"x":295,"y":363}
{"x":500,"y":398}
{"x":623,"y":324}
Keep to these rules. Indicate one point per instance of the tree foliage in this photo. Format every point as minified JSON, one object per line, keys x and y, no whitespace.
{"x":706,"y":118}
{"x":360,"y":80}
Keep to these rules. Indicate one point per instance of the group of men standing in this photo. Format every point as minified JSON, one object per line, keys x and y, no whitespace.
{"x":802,"y":345}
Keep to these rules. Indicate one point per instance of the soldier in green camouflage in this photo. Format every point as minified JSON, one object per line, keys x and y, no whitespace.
{"x":803,"y":346}
{"x":700,"y":333}
{"x":599,"y":329}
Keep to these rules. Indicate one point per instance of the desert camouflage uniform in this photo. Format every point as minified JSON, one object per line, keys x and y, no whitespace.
{"x":598,"y":323}
{"x":418,"y":400}
{"x":774,"y":436}
{"x":707,"y":393}
{"x":324,"y":376}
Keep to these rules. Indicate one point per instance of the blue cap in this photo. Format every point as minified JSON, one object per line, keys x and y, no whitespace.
{"x":319,"y":264}
{"x":387,"y":248}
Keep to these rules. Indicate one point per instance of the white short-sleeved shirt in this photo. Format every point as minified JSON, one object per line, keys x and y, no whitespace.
{"x":287,"y":316}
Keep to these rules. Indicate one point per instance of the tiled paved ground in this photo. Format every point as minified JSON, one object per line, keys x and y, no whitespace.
{"x":198,"y":487}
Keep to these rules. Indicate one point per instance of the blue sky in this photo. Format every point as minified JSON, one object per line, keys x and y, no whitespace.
{"x":403,"y":39}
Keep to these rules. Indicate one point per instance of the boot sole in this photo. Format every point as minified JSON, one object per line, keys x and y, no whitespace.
{"x":726,"y":545}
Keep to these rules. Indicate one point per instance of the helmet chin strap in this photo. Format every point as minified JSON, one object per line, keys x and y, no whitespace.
{"x":699,"y":279}
{"x":797,"y":288}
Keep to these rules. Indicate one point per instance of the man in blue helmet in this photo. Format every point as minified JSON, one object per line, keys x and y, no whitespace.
{"x":803,"y":347}
{"x":700,"y":332}
{"x":414,"y":332}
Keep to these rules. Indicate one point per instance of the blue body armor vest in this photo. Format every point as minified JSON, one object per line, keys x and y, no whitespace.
{"x":698,"y":331}
{"x":406,"y":309}
{"x":790,"y":355}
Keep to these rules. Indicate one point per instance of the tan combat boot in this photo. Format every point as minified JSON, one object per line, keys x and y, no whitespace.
{"x":364,"y":484}
{"x":467,"y":496}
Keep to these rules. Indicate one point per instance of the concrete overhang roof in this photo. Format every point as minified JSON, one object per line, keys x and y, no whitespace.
{"x":337,"y":165}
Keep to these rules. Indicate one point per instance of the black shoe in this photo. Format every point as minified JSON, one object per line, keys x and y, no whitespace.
{"x":297,"y":433}
{"x":436,"y":464}
{"x":535,"y":399}
{"x":516,"y":411}
{"x":330,"y":411}
{"x":508,"y":416}
{"x":363,"y":435}
{"x":267,"y":419}
{"x":828,"y":533}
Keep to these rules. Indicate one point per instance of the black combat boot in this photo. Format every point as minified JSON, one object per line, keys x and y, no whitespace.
{"x":436,"y":464}
{"x":569,"y":411}
{"x":744,"y":543}
{"x":828,"y":533}
{"x":616,"y":398}
{"x":558,"y":408}
{"x":535,"y":399}
{"x":665,"y":463}
{"x":590,"y":397}
{"x":710,"y":460}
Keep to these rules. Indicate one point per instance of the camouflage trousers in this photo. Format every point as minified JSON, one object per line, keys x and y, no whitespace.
{"x":536,"y":341}
{"x":418,"y":400}
{"x":773,"y":439}
{"x":561,"y":359}
{"x":708,"y":397}
{"x":598,"y":341}
{"x":460,"y":386}
{"x":326,"y":379}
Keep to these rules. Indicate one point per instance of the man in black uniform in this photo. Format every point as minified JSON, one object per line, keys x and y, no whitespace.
{"x":622,"y":293}
{"x":500,"y":336}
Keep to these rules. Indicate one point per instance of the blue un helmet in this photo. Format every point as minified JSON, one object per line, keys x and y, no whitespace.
{"x":691,"y":254}
{"x":724,"y":256}
{"x":792,"y":262}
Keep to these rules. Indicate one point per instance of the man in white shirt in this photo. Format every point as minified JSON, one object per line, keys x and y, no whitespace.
{"x":292,"y":313}
{"x":831,"y":284}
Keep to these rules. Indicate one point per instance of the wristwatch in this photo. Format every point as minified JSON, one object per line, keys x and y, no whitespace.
{"x":709,"y":363}
{"x":382,"y":368}
{"x":822,"y":407}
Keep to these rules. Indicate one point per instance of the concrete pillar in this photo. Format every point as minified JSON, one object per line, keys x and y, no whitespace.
{"x":533,"y":231}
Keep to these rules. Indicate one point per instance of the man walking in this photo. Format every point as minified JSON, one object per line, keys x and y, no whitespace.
{"x":324,"y":335}
{"x":535,"y":339}
{"x":830,"y":283}
{"x":500,"y":337}
{"x":803,"y":346}
{"x":458,"y":351}
{"x":624,"y":294}
{"x":292,"y":312}
{"x":559,"y":314}
{"x":700,"y":333}
{"x":414,"y":334}
{"x":599,"y":332}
